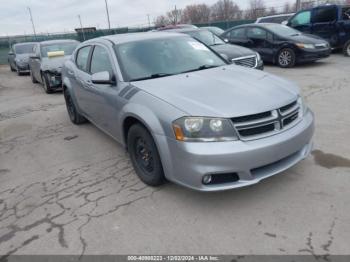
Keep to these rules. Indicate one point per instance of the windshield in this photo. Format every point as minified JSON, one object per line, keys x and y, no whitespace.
{"x":68,"y":48}
{"x":283,"y":30}
{"x":24,"y":49}
{"x":207,"y":38}
{"x":162,"y":57}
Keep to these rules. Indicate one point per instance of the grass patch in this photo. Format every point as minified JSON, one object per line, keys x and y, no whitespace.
{"x":3,"y":55}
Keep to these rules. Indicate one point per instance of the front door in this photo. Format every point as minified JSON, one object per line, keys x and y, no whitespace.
{"x":325,"y":23}
{"x":261,"y":41}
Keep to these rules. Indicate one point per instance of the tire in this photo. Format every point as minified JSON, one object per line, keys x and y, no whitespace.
{"x":11,"y":68}
{"x":286,"y":58}
{"x":18,"y":72}
{"x":32,"y":77}
{"x":346,"y":49}
{"x":144,"y":156}
{"x":73,"y":113}
{"x":46,"y":84}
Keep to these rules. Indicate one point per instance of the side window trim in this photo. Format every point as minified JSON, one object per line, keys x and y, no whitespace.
{"x":87,"y":61}
{"x":109,"y":58}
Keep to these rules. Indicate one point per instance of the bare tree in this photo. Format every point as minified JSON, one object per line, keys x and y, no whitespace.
{"x":174,"y":16}
{"x":272,"y":11}
{"x":225,"y":10}
{"x":161,"y":20}
{"x":196,"y":14}
{"x":256,"y":9}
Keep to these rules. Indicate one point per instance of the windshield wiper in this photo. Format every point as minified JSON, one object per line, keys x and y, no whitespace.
{"x":158,"y":75}
{"x":203,"y":67}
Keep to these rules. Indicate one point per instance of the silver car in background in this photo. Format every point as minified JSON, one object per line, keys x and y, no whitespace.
{"x":18,"y":57}
{"x":184,"y":114}
{"x":45,"y":64}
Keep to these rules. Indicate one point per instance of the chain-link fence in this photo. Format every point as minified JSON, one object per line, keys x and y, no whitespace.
{"x":6,"y":42}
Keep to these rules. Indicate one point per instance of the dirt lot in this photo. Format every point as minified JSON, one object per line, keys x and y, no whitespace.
{"x":66,"y":189}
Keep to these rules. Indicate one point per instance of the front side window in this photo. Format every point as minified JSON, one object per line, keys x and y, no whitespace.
{"x":100,"y":61}
{"x":161,"y":57}
{"x":256,"y":33}
{"x":324,"y":15}
{"x":237,"y":33}
{"x":82,"y":58}
{"x":67,"y":48}
{"x":302,"y":18}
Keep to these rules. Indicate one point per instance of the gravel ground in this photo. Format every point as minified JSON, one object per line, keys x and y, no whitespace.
{"x":68,"y":189}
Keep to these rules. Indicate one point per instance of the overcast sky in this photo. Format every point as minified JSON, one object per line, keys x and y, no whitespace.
{"x":62,"y":15}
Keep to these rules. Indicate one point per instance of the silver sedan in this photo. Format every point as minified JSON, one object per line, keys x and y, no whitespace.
{"x":184,"y":114}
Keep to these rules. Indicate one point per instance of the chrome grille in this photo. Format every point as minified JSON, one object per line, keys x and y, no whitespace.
{"x":267,"y":123}
{"x":247,"y":61}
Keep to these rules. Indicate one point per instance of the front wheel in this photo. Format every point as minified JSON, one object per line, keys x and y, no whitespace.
{"x":286,"y":58}
{"x":12,"y":69}
{"x":144,"y":156}
{"x":32,"y":77}
{"x":46,"y":84}
{"x":74,"y":115}
{"x":346,"y":49}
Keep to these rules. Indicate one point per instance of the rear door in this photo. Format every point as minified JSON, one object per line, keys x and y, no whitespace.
{"x":302,"y":21}
{"x":261,"y":41}
{"x":81,"y":78}
{"x":324,"y":22}
{"x":237,"y":36}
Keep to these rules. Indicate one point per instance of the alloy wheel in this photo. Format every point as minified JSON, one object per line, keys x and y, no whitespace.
{"x":285,"y":58}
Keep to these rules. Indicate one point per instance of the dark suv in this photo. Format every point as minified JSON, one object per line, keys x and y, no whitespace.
{"x":331,"y":22}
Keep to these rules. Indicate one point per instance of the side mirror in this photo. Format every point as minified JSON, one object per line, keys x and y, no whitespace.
{"x":102,"y":78}
{"x":284,"y":23}
{"x":226,"y":40}
{"x":35,"y":57}
{"x":11,"y":53}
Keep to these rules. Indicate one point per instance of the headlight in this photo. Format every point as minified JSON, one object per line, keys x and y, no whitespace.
{"x":305,"y":46}
{"x":302,"y":105}
{"x":202,"y":129}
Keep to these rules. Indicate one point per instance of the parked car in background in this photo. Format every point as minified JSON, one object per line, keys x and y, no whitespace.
{"x":184,"y":114}
{"x":18,"y":57}
{"x":215,"y":30}
{"x":279,"y":44}
{"x":47,"y":60}
{"x":177,"y":26}
{"x":232,"y":53}
{"x":275,"y":19}
{"x":331,"y":22}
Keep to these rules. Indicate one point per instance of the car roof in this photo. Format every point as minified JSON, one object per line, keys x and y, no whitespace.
{"x":272,"y":16}
{"x":25,"y":43}
{"x":186,"y":30}
{"x":58,"y":41}
{"x":134,"y":37}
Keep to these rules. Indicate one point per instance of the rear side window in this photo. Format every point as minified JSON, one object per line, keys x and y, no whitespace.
{"x":82,"y":58}
{"x":302,"y":18}
{"x":346,"y":13}
{"x":323,"y":15}
{"x":100,"y":61}
{"x":237,"y":33}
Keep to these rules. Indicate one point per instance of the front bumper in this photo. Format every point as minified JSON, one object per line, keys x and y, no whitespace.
{"x":23,"y":67}
{"x":187,"y":163}
{"x":313,"y":55}
{"x":55,"y":80}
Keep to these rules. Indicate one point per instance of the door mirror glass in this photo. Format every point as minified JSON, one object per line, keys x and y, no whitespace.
{"x":226,"y":40}
{"x":35,"y":57}
{"x":285,"y":22}
{"x":102,"y":78}
{"x":11,"y":53}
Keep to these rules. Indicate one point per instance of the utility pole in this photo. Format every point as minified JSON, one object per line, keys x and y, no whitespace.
{"x":81,"y":27}
{"x":107,"y":11}
{"x":149,"y":21}
{"x":298,"y":5}
{"x":31,"y":19}
{"x":175,"y":15}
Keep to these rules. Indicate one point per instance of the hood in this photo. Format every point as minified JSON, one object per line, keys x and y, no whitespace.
{"x":307,"y":39}
{"x":53,"y":64}
{"x":22,"y":57}
{"x":228,"y":91}
{"x":233,"y":51}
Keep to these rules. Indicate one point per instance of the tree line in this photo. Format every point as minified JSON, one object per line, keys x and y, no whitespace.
{"x":228,"y":10}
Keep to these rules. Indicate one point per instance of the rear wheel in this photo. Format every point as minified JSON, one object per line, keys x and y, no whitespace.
{"x":74,"y":115}
{"x":46,"y":84}
{"x":286,"y":58}
{"x":144,"y":156}
{"x":346,"y":49}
